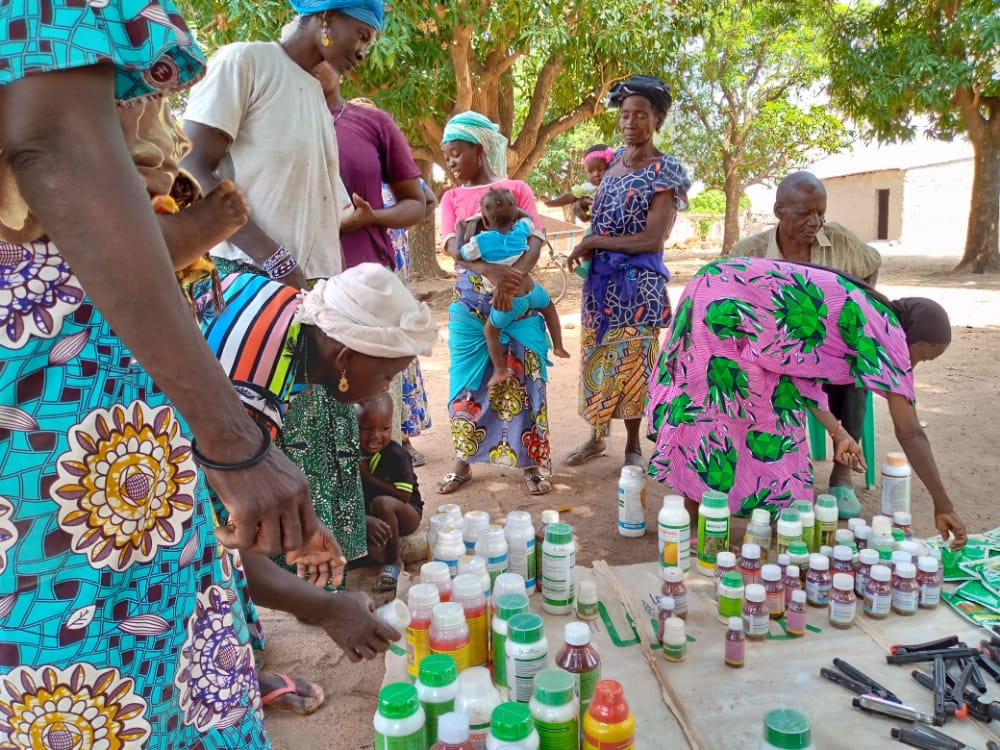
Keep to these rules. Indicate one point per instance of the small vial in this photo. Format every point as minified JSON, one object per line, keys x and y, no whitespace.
{"x":666,"y":612}
{"x":862,"y":536}
{"x":842,"y":536}
{"x":904,"y":522}
{"x":791,"y":582}
{"x":775,"y":590}
{"x":929,"y":579}
{"x":724,"y":562}
{"x":795,"y":617}
{"x":755,"y":612}
{"x":673,"y":585}
{"x":818,"y":581}
{"x":905,"y":589}
{"x":586,"y":600}
{"x":799,"y":555}
{"x":674,"y":640}
{"x":750,"y":563}
{"x":736,"y":644}
{"x":784,"y":560}
{"x":878,"y":593}
{"x":843,"y":561}
{"x":843,"y":602}
{"x":866,"y":558}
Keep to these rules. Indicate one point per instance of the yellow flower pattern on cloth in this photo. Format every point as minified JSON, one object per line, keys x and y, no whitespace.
{"x":69,"y":709}
{"x":466,"y":437}
{"x":124,"y":486}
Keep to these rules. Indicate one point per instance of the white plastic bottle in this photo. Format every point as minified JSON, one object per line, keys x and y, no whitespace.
{"x":758,"y":531}
{"x":674,"y":531}
{"x":789,"y":529}
{"x":436,"y":572}
{"x":453,"y":511}
{"x":895,"y":484}
{"x":713,"y":530}
{"x":437,"y":686}
{"x":434,"y":524}
{"x":521,"y":556}
{"x":558,"y":569}
{"x":448,"y":547}
{"x":807,"y":516}
{"x":632,"y":502}
{"x":475,"y":565}
{"x":511,"y":727}
{"x":492,"y":547}
{"x":399,"y":719}
{"x":477,"y":697}
{"x":555,"y":710}
{"x":472,"y":523}
{"x":527,"y":654}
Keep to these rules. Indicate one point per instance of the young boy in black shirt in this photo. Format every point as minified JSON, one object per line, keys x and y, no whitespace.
{"x":392,"y":498}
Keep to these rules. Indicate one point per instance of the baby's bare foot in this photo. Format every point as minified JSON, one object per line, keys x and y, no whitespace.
{"x":560,"y":352}
{"x":201,"y":226}
{"x":502,"y":375}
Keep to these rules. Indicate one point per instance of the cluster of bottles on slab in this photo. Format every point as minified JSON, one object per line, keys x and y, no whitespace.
{"x":875,"y":568}
{"x":473,"y":646}
{"x":460,"y":715}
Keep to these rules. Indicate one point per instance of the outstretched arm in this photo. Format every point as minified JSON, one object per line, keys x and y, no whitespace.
{"x":913,"y":440}
{"x":61,"y":134}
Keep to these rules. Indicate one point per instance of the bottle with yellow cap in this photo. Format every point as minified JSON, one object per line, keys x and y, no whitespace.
{"x":609,"y":722}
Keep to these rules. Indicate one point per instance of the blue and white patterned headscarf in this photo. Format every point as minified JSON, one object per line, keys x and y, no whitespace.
{"x":366,"y":12}
{"x":473,"y":127}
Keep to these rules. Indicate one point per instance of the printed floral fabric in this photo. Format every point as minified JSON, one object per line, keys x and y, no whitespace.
{"x":751,"y":344}
{"x":116,"y":621}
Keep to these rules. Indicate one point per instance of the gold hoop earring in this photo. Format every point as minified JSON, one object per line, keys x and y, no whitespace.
{"x":343,"y":386}
{"x":325,"y":39}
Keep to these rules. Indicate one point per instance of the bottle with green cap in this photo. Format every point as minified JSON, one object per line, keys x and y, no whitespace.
{"x":788,"y":528}
{"x":798,"y":554}
{"x":555,"y":710}
{"x":808,"y":518}
{"x":713,"y":529}
{"x":558,"y":566}
{"x":785,"y":729}
{"x":437,"y":686}
{"x":399,"y":720}
{"x":527,"y":651}
{"x":508,"y":605}
{"x":511,"y":726}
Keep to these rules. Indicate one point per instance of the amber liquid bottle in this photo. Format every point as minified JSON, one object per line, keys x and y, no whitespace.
{"x":581,"y":659}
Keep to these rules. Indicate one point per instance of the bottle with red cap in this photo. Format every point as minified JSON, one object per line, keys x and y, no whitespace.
{"x":609,"y":721}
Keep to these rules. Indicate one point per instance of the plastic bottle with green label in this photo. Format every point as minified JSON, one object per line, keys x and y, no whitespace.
{"x":527,"y":654}
{"x":580,"y":658}
{"x":511,"y":726}
{"x":826,"y":520}
{"x":713,"y":530}
{"x":508,"y":605}
{"x":555,"y":710}
{"x":558,"y":569}
{"x":399,"y":719}
{"x":437,"y":686}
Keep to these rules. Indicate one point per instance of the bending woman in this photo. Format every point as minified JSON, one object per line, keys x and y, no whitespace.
{"x":625,"y":299}
{"x":352,"y":334}
{"x":507,"y":425}
{"x":751,"y":345}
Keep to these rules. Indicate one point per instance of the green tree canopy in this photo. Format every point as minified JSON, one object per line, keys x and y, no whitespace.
{"x":935,"y":58}
{"x":740,"y":71}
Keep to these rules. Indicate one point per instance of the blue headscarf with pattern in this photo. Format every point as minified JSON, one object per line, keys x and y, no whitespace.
{"x":473,"y":127}
{"x":366,"y":12}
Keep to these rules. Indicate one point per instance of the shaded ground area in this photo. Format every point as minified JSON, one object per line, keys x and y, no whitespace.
{"x":958,"y":396}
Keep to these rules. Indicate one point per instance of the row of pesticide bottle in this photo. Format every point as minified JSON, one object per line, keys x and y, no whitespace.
{"x":547,"y":709}
{"x":545,"y":559}
{"x":801,"y":529}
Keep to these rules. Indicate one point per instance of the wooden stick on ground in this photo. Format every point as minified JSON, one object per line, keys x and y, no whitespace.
{"x":671,"y":699}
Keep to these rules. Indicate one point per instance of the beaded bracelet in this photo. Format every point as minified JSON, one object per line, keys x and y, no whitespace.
{"x":255,"y":459}
{"x":279,"y":264}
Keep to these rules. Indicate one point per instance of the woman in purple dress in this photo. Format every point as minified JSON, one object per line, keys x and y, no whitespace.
{"x":751,"y":345}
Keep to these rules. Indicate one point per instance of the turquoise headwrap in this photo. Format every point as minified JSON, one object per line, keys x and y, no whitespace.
{"x":366,"y":12}
{"x":473,"y":127}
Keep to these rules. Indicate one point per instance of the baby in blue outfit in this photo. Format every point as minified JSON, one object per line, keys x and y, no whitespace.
{"x":503,"y":240}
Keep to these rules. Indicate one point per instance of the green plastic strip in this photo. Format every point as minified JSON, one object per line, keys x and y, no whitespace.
{"x":397,"y":650}
{"x":613,"y":633}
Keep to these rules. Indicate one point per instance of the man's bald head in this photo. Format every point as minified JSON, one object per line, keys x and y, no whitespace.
{"x":797,"y":183}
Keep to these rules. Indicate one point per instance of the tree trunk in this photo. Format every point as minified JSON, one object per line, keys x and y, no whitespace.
{"x":982,"y":241}
{"x":731,"y":229}
{"x":423,"y":251}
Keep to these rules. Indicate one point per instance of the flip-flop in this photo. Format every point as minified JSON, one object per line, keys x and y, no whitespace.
{"x":581,"y":455}
{"x":416,"y":457}
{"x":537,"y":484}
{"x":315,"y":695}
{"x":848,"y":505}
{"x":452,"y":482}
{"x":387,"y":579}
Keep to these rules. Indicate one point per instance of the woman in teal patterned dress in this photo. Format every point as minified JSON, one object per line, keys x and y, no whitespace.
{"x":116,"y":621}
{"x":751,"y":344}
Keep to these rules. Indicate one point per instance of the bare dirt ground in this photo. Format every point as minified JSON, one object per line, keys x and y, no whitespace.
{"x":958,"y":397}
